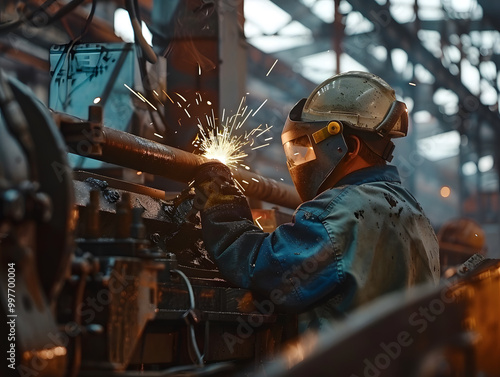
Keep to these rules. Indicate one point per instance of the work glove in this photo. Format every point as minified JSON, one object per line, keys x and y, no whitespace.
{"x":214,"y":186}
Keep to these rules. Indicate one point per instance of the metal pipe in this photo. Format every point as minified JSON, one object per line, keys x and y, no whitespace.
{"x":128,"y":150}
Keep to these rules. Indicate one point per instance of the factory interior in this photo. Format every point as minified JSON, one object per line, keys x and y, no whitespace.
{"x":107,"y":109}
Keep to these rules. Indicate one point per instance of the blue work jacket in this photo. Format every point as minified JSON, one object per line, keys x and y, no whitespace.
{"x":365,"y":237}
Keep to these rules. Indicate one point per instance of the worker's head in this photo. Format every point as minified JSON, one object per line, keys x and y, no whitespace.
{"x":350,"y":116}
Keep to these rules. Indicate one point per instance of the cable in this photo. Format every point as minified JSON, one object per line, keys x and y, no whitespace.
{"x":67,"y":52}
{"x":144,"y":53}
{"x":149,"y":54}
{"x":191,"y":334}
{"x":90,"y":17}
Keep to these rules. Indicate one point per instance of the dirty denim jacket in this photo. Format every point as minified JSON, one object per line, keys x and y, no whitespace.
{"x":365,"y":237}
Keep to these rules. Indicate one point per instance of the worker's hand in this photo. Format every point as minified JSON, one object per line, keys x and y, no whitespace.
{"x":214,"y":186}
{"x":212,"y":170}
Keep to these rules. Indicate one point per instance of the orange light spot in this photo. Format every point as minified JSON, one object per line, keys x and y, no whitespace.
{"x":445,"y":191}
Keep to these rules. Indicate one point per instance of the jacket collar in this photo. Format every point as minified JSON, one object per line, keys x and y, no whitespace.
{"x":388,"y":173}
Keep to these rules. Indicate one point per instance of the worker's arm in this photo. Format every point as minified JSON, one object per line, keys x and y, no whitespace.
{"x":294,"y":266}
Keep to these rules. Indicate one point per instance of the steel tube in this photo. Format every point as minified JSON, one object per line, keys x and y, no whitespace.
{"x":128,"y":150}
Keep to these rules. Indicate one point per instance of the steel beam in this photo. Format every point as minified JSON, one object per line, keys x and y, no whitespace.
{"x":401,"y":36}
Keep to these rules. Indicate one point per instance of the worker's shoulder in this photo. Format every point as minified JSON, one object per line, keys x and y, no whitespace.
{"x":333,"y":199}
{"x":355,"y":196}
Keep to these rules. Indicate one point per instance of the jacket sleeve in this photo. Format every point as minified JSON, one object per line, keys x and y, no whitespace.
{"x":294,"y":266}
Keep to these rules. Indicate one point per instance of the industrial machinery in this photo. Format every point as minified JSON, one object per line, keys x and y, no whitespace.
{"x":109,"y":278}
{"x":113,"y":276}
{"x":106,"y":276}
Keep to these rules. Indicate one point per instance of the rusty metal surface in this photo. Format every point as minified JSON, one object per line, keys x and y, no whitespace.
{"x":142,"y":154}
{"x":166,"y":227}
{"x":448,"y":330}
{"x":128,"y":150}
{"x":34,"y":244}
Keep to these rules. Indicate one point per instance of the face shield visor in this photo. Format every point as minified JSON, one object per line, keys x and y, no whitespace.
{"x":313,"y":150}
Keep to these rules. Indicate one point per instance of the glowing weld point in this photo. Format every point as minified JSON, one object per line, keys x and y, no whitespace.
{"x":219,"y":140}
{"x":256,"y":180}
{"x":270,"y":69}
{"x":257,"y":222}
{"x":281,"y":179}
{"x":158,"y":135}
{"x":97,"y":100}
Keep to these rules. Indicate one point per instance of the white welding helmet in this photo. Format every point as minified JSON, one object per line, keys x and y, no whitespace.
{"x":313,"y":133}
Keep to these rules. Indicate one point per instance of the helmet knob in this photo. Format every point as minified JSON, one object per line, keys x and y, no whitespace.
{"x":333,"y":128}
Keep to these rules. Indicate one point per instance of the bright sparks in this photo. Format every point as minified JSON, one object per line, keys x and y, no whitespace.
{"x":223,"y":138}
{"x":221,"y":144}
{"x":222,"y":141}
{"x":270,"y":69}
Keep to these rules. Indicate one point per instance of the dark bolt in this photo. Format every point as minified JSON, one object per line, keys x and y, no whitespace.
{"x":155,"y":237}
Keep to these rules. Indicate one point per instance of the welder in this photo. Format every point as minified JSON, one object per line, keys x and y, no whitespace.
{"x":358,"y":234}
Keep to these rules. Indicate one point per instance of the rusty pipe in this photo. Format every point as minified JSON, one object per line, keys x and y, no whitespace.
{"x":128,"y":150}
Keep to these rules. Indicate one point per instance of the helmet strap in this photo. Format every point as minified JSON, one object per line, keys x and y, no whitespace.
{"x":382,"y":147}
